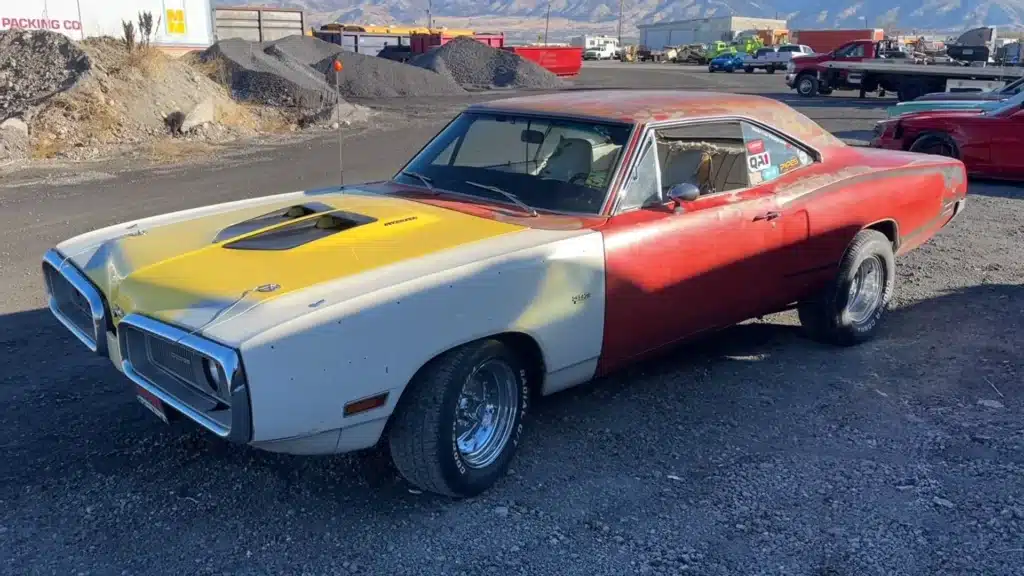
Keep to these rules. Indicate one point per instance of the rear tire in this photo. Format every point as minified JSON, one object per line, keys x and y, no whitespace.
{"x":428,"y":433}
{"x":770,"y":70}
{"x":850,"y":309}
{"x":748,"y":70}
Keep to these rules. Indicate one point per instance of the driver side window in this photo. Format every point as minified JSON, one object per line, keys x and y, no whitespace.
{"x":643,"y":187}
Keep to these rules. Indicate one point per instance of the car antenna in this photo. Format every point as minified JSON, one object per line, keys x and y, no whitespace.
{"x":337,"y":66}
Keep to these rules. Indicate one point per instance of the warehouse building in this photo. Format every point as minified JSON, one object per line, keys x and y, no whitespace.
{"x":178,"y":25}
{"x":659,"y":35}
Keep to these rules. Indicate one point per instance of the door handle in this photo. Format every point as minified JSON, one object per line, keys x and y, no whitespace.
{"x":766,"y":216}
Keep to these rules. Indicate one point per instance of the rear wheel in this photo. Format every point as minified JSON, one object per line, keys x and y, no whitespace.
{"x":936,"y":144}
{"x":748,"y":69}
{"x":458,"y":425}
{"x":770,"y":70}
{"x":850,"y":309}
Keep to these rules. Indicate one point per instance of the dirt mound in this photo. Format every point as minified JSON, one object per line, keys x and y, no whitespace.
{"x":34,"y":65}
{"x":125,"y":99}
{"x":296,"y":71}
{"x":473,"y":64}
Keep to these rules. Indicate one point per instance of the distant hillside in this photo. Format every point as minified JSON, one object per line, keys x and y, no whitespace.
{"x":575,"y":16}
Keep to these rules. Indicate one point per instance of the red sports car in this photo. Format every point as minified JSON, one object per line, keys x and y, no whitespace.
{"x":989,"y":142}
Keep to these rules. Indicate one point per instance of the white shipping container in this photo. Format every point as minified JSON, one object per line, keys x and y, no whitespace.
{"x":177,"y":24}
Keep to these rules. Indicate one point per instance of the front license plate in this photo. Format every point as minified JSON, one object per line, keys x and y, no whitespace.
{"x":153,"y":403}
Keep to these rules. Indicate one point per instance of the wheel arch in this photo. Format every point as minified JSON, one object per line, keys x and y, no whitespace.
{"x":524,"y":344}
{"x":890,"y":228}
{"x":934,"y":134}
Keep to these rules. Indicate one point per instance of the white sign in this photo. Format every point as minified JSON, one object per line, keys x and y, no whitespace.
{"x":758,"y":162}
{"x":56,"y":15}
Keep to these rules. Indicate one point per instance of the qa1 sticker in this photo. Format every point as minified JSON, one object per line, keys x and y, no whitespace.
{"x":758,"y":162}
{"x":770,"y":173}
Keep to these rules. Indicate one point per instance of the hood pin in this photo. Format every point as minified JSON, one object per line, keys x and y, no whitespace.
{"x":268,"y":288}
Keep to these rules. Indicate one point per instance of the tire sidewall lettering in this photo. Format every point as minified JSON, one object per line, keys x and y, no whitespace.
{"x":460,"y":465}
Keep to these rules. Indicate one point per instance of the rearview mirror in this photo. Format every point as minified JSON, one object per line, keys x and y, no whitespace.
{"x":684,"y":192}
{"x":531,"y":137}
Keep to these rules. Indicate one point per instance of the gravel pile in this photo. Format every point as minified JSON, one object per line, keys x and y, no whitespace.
{"x":34,"y":65}
{"x":475,"y":65}
{"x":297,"y":71}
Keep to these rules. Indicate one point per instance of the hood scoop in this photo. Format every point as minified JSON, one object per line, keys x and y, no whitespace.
{"x":301,"y":232}
{"x":271,"y":219}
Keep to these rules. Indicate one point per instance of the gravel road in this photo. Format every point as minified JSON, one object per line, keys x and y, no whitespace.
{"x":752,"y":453}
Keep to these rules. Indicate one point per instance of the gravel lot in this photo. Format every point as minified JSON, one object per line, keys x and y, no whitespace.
{"x":756,"y":452}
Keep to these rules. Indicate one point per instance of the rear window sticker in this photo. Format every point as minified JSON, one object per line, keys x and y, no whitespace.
{"x":758,"y":162}
{"x":755,"y":147}
{"x":770,"y":173}
{"x":790,"y":164}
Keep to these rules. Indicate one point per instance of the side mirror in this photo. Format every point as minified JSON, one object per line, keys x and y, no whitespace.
{"x":684,"y":192}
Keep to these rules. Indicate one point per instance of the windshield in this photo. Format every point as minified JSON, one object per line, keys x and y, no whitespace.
{"x":1013,"y":87}
{"x":551,"y":164}
{"x":1012,"y":103}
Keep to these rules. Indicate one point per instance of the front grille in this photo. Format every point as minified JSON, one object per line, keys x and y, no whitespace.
{"x":71,"y":303}
{"x":172,"y":363}
{"x":169,"y":365}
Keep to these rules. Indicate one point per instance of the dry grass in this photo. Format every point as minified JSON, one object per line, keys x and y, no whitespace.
{"x":149,"y":61}
{"x":46,"y":148}
{"x":168,"y":150}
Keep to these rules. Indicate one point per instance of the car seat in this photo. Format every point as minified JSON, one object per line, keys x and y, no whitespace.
{"x":685,"y":164}
{"x":571,"y":157}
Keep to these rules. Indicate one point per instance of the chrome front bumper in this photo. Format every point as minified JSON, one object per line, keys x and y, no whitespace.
{"x":789,"y":79}
{"x":162,"y":359}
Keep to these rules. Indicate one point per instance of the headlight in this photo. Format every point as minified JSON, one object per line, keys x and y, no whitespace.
{"x":790,"y":67}
{"x":215,"y":378}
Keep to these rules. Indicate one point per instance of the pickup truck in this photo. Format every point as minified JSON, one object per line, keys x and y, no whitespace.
{"x":771,"y":58}
{"x":869,"y":66}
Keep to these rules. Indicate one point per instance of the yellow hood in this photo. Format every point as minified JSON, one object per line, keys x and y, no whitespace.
{"x":189,"y":271}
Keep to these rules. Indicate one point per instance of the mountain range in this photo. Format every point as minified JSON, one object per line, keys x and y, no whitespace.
{"x":569,"y":17}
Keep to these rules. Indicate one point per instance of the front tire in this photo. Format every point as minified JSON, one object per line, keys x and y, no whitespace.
{"x":458,"y":425}
{"x":849,"y":310}
{"x":807,"y":85}
{"x":936,"y":144}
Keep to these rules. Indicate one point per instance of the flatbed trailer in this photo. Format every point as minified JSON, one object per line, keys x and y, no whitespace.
{"x":911,"y":80}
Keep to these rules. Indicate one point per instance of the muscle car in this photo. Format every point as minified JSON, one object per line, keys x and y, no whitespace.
{"x":533,"y":244}
{"x":986,"y":140}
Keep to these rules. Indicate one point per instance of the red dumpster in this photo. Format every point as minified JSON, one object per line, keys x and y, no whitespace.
{"x":561,"y":60}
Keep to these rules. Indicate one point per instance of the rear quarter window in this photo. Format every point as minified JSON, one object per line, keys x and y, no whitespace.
{"x":770,"y":156}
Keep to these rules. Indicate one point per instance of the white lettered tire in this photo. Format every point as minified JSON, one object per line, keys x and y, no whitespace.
{"x":459,"y":423}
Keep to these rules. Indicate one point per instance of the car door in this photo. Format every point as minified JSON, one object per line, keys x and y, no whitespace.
{"x":1003,"y":133}
{"x":670,"y":273}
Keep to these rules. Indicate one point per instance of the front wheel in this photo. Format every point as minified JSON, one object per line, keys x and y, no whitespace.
{"x":458,"y":425}
{"x":748,"y":70}
{"x":936,"y":144}
{"x":771,"y":70}
{"x":849,"y":310}
{"x":807,"y":85}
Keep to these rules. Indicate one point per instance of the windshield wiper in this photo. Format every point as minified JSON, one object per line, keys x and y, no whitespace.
{"x":426,"y":181}
{"x":512,"y":197}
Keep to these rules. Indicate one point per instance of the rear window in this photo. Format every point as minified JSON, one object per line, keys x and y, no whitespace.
{"x":788,"y":49}
{"x":764,"y":51}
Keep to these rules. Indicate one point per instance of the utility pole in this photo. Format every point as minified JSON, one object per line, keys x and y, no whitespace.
{"x":620,"y":22}
{"x":547,"y":23}
{"x":430,"y":18}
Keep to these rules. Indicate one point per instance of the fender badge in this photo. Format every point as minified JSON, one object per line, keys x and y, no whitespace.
{"x":268,"y":288}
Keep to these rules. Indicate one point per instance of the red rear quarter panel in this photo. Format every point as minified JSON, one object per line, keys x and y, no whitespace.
{"x":906,"y":193}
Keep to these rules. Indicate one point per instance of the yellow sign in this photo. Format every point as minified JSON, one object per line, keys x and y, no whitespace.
{"x":176,"y":22}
